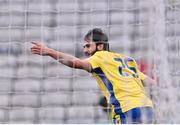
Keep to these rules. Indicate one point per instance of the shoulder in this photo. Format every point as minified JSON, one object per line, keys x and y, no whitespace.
{"x":102,"y":53}
{"x":127,"y":58}
{"x":97,"y":59}
{"x":99,"y":54}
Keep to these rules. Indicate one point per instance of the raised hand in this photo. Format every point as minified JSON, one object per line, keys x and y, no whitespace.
{"x":40,"y":48}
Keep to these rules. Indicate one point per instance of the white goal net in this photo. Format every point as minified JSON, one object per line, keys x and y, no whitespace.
{"x":35,"y":89}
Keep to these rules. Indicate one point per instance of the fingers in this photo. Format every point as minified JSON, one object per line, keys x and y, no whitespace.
{"x":35,"y":43}
{"x":36,"y":51}
{"x":38,"y":48}
{"x":38,"y":43}
{"x":35,"y":48}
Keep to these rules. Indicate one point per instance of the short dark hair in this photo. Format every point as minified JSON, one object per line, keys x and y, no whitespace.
{"x":98,"y":36}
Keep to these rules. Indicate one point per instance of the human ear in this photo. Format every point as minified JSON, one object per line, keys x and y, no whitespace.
{"x":100,"y":47}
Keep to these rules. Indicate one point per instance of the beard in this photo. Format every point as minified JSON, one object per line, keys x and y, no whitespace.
{"x":90,"y":54}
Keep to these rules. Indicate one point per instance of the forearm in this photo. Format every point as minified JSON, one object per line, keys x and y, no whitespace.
{"x":64,"y":58}
{"x":149,"y":81}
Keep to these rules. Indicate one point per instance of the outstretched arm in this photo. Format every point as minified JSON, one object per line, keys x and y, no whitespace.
{"x":146,"y":80}
{"x":152,"y":81}
{"x":64,"y":58}
{"x":149,"y":81}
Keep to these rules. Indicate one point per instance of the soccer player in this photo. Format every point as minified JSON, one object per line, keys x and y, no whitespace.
{"x":117,"y":75}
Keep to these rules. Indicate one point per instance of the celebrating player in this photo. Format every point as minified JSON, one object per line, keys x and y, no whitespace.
{"x":117,"y":75}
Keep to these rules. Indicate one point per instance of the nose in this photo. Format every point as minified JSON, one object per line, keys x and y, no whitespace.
{"x":86,"y":52}
{"x":85,"y":49}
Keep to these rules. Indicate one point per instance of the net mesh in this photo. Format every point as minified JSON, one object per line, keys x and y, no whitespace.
{"x":37,"y":89}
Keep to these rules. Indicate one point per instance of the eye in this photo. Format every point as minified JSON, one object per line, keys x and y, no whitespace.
{"x":86,"y":46}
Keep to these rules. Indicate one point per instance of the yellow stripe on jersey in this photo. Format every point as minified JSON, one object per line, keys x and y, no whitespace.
{"x":120,"y":80}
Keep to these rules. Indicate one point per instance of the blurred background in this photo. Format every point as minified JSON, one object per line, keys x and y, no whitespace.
{"x":35,"y":89}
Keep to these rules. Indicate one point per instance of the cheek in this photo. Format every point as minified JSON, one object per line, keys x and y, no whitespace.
{"x":93,"y":48}
{"x":86,"y":50}
{"x":90,"y":49}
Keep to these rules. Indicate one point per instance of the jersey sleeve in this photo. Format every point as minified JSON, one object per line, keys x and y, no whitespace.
{"x":141,"y":75}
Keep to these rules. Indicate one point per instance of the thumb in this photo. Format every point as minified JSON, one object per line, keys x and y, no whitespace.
{"x":38,"y":43}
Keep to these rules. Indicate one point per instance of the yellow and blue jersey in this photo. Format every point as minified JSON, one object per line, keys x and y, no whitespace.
{"x":120,"y":81}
